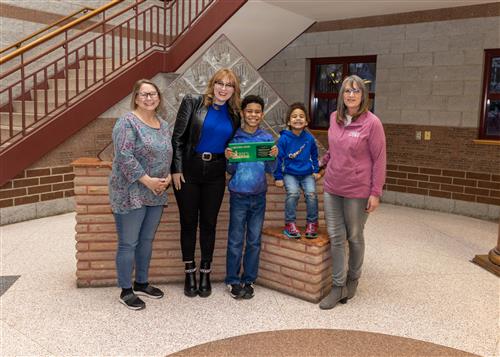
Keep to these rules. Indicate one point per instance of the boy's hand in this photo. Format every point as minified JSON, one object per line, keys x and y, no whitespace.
{"x":274,"y":151}
{"x":279,"y":183}
{"x":228,"y":153}
{"x":317,"y":176}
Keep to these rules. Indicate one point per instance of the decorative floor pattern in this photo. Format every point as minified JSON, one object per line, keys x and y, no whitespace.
{"x":319,"y":343}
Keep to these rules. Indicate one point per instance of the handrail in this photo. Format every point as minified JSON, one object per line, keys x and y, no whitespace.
{"x":54,"y":24}
{"x":59,"y":31}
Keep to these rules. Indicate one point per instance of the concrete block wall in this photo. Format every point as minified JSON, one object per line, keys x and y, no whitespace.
{"x":429,"y":78}
{"x":427,"y":73}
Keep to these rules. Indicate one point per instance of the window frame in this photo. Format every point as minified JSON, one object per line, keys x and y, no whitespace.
{"x":489,"y":54}
{"x":345,"y":61}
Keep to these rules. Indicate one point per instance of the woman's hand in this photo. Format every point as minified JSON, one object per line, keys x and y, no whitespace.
{"x":228,"y":153}
{"x":316,"y":176}
{"x":279,"y":183}
{"x":155,"y":184}
{"x":373,"y":203}
{"x":165,"y":182}
{"x":178,"y":178}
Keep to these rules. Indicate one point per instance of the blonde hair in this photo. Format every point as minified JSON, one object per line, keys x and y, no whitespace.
{"x":363,"y":106}
{"x":135,"y":91}
{"x":235,"y":100}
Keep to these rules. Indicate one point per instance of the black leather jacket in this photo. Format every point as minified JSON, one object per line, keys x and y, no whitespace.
{"x":187,"y":129}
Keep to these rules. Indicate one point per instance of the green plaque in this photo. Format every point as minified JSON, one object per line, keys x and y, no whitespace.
{"x":246,"y":152}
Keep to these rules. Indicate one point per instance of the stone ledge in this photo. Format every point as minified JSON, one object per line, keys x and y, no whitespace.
{"x":91,"y":162}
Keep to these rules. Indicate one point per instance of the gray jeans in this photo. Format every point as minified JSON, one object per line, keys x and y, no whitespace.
{"x":345,"y":220}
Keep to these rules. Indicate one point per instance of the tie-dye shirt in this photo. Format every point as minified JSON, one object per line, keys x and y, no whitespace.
{"x":138,"y":150}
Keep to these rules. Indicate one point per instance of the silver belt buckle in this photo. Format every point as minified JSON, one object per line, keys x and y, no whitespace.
{"x":206,"y":156}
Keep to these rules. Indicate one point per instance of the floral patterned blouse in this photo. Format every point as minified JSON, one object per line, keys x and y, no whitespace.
{"x":139,"y":150}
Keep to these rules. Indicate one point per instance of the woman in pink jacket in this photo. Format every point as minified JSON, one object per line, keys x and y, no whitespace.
{"x":354,"y":177}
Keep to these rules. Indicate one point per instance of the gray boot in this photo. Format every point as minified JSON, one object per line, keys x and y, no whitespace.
{"x":336,"y":295}
{"x":351,"y":285}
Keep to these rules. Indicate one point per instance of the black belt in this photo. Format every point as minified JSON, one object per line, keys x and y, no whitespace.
{"x":208,"y":156}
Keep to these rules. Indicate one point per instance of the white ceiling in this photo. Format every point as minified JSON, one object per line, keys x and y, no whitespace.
{"x":328,"y":10}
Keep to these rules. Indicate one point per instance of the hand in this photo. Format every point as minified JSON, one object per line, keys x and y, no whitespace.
{"x":274,"y":151}
{"x":279,"y":183}
{"x":228,"y":153}
{"x":316,"y":176}
{"x":373,"y":203}
{"x":177,"y":179}
{"x":155,"y":184}
{"x":165,"y":183}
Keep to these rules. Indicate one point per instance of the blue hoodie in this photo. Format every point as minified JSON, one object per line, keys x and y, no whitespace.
{"x":250,"y":177}
{"x":298,"y":155}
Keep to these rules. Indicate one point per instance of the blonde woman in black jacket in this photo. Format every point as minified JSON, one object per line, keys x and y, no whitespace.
{"x":204,"y":126}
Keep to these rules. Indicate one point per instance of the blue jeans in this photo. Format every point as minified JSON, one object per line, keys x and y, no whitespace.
{"x":246,"y":216}
{"x":136,"y":231}
{"x":293,"y":184}
{"x":345,"y":221}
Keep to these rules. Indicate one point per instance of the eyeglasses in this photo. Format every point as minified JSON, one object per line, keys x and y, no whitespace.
{"x":354,"y":91}
{"x":145,"y":95}
{"x":224,"y":85}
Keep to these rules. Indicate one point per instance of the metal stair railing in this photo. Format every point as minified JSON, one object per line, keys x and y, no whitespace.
{"x":20,"y":43}
{"x":38,"y":88}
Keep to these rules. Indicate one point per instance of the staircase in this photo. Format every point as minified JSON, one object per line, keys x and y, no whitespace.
{"x":53,"y":94}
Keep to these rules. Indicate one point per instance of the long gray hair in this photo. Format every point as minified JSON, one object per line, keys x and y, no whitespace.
{"x":363,"y":106}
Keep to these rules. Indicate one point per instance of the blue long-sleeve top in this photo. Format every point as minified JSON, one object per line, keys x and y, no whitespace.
{"x":298,"y":155}
{"x":217,"y":129}
{"x":250,"y":177}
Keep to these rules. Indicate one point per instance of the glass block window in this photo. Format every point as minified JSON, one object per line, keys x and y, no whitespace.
{"x":489,"y":127}
{"x":327,"y":75}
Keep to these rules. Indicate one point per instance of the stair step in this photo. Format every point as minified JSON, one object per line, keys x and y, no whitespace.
{"x":50,"y":93}
{"x":99,"y":64}
{"x":29,"y":106}
{"x":16,"y":119}
{"x":99,"y":73}
{"x":61,"y":84}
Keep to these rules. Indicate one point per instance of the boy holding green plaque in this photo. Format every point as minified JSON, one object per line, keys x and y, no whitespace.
{"x":248,"y":165}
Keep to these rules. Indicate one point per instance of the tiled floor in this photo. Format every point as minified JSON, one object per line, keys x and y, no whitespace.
{"x":418,"y":282}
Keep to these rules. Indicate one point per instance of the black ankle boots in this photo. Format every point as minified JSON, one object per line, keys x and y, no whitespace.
{"x":190,"y":287}
{"x":205,"y":288}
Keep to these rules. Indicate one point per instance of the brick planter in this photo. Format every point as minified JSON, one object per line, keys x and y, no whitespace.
{"x":96,"y":239}
{"x":301,"y":268}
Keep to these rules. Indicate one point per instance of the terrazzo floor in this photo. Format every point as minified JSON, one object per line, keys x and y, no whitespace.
{"x":418,"y":282}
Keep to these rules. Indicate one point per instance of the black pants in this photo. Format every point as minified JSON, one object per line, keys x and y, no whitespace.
{"x":200,"y":196}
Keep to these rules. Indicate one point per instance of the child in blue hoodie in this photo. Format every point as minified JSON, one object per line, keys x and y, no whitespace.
{"x":247,"y":204}
{"x":296,"y":169}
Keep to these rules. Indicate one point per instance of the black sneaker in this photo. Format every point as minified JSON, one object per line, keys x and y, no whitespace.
{"x":236,"y":291}
{"x":132,"y":302}
{"x":148,"y":291}
{"x":248,"y":291}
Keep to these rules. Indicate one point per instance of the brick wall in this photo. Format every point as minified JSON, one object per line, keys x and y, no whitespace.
{"x":96,"y":233}
{"x":38,"y":185}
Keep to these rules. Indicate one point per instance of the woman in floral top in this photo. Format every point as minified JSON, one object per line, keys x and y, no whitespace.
{"x":139,"y":178}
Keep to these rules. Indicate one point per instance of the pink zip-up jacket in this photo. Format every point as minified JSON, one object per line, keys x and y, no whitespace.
{"x":356,"y":157}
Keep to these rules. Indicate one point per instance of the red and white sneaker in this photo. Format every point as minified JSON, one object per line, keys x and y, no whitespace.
{"x":291,"y":231}
{"x":312,"y":230}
